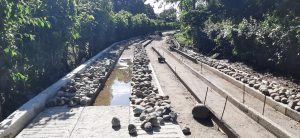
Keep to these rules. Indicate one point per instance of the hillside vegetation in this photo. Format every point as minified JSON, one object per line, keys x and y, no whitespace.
{"x":42,"y":40}
{"x":263,"y":33}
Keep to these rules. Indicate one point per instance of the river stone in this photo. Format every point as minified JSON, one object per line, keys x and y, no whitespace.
{"x":166,"y":117}
{"x":251,"y":83}
{"x":186,"y":131}
{"x":173,"y":116}
{"x":132,"y":129}
{"x":284,"y":100}
{"x":277,"y":98}
{"x":85,"y":101}
{"x":154,"y":122}
{"x":143,"y":116}
{"x":72,"y":103}
{"x":160,"y":120}
{"x":200,"y":112}
{"x":115,"y":122}
{"x":138,"y":110}
{"x":150,"y":110}
{"x":148,"y":127}
{"x":297,"y":108}
{"x":256,"y":86}
{"x":292,"y":104}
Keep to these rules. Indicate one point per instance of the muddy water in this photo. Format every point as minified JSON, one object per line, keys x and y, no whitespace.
{"x":117,"y":88}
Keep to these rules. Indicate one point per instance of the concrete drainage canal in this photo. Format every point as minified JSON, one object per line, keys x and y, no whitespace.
{"x":117,"y":88}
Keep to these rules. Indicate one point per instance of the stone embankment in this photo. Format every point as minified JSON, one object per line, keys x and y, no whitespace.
{"x":274,"y":89}
{"x":85,"y":85}
{"x":152,"y":108}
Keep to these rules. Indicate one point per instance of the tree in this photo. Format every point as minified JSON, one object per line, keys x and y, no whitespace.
{"x":169,"y":15}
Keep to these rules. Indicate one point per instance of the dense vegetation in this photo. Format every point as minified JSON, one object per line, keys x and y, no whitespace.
{"x":42,"y":40}
{"x":264,"y":33}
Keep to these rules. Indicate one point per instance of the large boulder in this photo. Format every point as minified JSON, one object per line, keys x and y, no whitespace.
{"x":200,"y":111}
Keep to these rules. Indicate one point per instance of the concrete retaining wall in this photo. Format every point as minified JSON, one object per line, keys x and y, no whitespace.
{"x":284,"y":109}
{"x":262,"y":120}
{"x":14,"y":123}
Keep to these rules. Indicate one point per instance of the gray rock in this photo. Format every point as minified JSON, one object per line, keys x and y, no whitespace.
{"x":277,"y":98}
{"x":173,"y":116}
{"x":72,"y":103}
{"x":84,"y":101}
{"x":150,"y":110}
{"x":154,"y":122}
{"x":200,"y":112}
{"x":284,"y":100}
{"x":297,"y":108}
{"x":292,"y":104}
{"x":256,"y":86}
{"x":166,"y":117}
{"x":138,"y":110}
{"x":115,"y":122}
{"x":132,"y":129}
{"x":160,"y":120}
{"x":186,"y":131}
{"x":148,"y":127}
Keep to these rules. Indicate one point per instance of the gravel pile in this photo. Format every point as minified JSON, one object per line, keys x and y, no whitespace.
{"x":152,"y":108}
{"x":84,"y":86}
{"x":278,"y":92}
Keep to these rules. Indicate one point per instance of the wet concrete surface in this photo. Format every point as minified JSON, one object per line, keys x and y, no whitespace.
{"x":117,"y":88}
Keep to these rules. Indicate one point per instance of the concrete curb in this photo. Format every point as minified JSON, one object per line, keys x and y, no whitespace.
{"x":185,"y":55}
{"x":223,"y":125}
{"x":14,"y":123}
{"x":284,"y":109}
{"x":262,"y":120}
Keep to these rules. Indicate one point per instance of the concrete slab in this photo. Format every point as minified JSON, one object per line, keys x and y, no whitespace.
{"x":88,"y":122}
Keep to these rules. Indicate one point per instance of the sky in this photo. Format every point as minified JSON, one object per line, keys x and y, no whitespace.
{"x":157,"y":6}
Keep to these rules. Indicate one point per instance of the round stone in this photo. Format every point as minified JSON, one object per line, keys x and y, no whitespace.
{"x":200,"y":112}
{"x":148,"y":127}
{"x":132,"y":129}
{"x":186,"y":131}
{"x":115,"y":122}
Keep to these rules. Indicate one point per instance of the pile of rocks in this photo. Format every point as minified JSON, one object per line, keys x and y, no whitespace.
{"x":273,"y":89}
{"x":83,"y":87}
{"x":152,"y":108}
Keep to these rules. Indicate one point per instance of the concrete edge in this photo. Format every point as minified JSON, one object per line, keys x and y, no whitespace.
{"x":185,"y":55}
{"x":223,"y":125}
{"x":262,"y":120}
{"x":284,"y":109}
{"x":160,"y":91}
{"x":15,"y":122}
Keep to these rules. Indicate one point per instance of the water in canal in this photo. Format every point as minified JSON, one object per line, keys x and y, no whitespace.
{"x":117,"y":88}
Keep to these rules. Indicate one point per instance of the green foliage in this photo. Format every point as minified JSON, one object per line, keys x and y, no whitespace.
{"x":264,"y":33}
{"x":168,"y":15}
{"x":42,"y":40}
